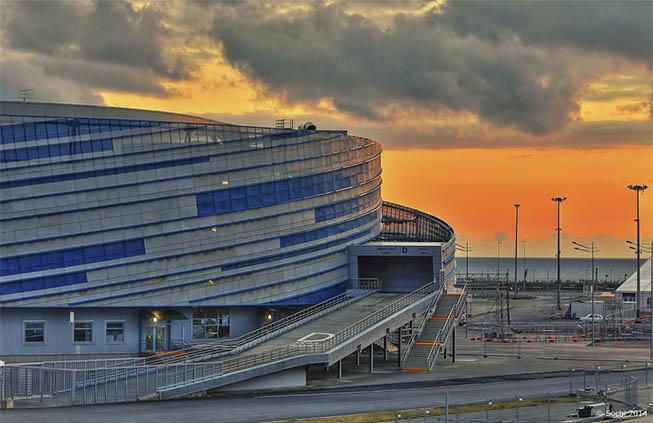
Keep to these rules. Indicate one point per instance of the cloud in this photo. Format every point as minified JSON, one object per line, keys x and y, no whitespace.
{"x":618,"y":27}
{"x":19,"y":74}
{"x":110,"y":45}
{"x":510,"y":76}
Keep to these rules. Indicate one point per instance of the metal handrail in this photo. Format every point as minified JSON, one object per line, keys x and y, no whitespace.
{"x":438,"y":343}
{"x":210,"y":350}
{"x":303,"y":348}
{"x":416,"y":334}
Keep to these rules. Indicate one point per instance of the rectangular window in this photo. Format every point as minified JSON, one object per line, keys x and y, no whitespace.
{"x":34,"y":332}
{"x":83,"y":332}
{"x":210,"y":323}
{"x":114,"y":332}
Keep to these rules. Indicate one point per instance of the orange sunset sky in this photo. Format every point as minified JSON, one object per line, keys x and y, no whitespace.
{"x":478,"y":104}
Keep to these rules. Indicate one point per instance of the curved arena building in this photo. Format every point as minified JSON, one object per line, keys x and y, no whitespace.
{"x":129,"y":231}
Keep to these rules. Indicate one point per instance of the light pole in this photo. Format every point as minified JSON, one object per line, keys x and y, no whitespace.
{"x":589,"y":249}
{"x":466,"y":250}
{"x":523,"y":258}
{"x":499,"y":285}
{"x":516,"y":246}
{"x":558,"y":200}
{"x":637,"y":189}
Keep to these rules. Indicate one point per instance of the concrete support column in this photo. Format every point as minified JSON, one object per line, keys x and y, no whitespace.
{"x":340,"y":369}
{"x":358,"y":357}
{"x":372,"y":357}
{"x":385,"y":347}
{"x":453,"y":345}
{"x":399,"y":347}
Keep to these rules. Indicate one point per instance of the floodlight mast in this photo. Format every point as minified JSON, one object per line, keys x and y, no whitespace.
{"x":465,"y":249}
{"x":558,"y":200}
{"x":638,"y":189}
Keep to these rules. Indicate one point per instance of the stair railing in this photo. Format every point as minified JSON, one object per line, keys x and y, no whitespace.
{"x":284,"y":352}
{"x":440,"y":340}
{"x":417,"y":333}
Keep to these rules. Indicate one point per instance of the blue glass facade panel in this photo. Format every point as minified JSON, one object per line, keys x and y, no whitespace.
{"x":308,"y":236}
{"x":65,"y":127}
{"x":241,"y":198}
{"x":55,"y":150}
{"x":71,"y":257}
{"x":34,"y":284}
{"x":102,"y":172}
{"x":343,"y":208}
{"x":283,"y":256}
{"x":313,"y":297}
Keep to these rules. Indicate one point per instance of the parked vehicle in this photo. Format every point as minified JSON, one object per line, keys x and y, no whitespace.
{"x":588,"y":318}
{"x":559,"y":315}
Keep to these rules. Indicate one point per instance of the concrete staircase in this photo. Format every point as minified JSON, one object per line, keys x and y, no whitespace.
{"x":417,"y":357}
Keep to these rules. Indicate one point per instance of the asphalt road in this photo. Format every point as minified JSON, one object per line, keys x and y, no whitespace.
{"x":248,"y":408}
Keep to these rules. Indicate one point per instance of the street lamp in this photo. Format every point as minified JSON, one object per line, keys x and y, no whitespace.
{"x":499,"y":284}
{"x":589,"y":249}
{"x":523,"y":257}
{"x":516,"y":246}
{"x":637,"y":188}
{"x":558,"y":200}
{"x":466,"y":249}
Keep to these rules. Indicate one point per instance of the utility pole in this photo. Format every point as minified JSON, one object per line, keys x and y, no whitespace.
{"x":558,"y":200}
{"x":466,"y":250}
{"x":516,"y":244}
{"x":590,"y":249}
{"x":523,"y":257}
{"x":499,"y":284}
{"x":25,"y":94}
{"x":638,"y":189}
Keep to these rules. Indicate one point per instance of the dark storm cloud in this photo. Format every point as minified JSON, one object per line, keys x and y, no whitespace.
{"x":432,"y":61}
{"x":104,"y":44}
{"x":618,"y":27}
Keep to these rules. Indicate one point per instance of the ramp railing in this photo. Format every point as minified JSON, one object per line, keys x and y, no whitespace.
{"x":42,"y":386}
{"x":206,"y":351}
{"x":440,"y":340}
{"x":284,"y":352}
{"x":417,"y":333}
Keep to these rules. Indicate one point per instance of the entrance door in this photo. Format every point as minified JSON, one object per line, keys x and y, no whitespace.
{"x":156,"y":338}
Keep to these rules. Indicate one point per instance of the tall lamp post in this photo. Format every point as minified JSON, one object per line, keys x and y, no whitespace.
{"x":589,"y":249}
{"x":523,"y":258}
{"x":516,"y":245}
{"x":638,"y":189}
{"x":559,"y":201}
{"x":499,"y":287}
{"x":465,"y":249}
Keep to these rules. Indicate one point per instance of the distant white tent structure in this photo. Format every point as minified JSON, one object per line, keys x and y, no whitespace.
{"x":627,"y":290}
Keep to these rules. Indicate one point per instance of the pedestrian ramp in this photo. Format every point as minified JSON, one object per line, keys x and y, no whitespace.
{"x":429,"y":341}
{"x":323,"y":337}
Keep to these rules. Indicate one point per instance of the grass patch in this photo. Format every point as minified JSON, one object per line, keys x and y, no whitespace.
{"x":381,"y":416}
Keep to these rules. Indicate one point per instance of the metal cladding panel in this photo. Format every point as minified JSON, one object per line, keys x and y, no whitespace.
{"x":116,"y":207}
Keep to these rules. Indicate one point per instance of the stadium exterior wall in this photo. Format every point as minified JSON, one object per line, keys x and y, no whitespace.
{"x":161,"y":220}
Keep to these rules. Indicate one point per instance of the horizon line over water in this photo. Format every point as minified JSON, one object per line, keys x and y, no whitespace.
{"x":544,"y":268}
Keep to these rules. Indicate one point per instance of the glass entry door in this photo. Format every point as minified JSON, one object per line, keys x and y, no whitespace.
{"x":156,"y":338}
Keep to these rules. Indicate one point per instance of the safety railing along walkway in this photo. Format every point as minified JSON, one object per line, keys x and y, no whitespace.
{"x":298,"y":353}
{"x":415,"y":335}
{"x":36,"y":385}
{"x":443,"y":336}
{"x":212,"y":350}
{"x":70,"y":382}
